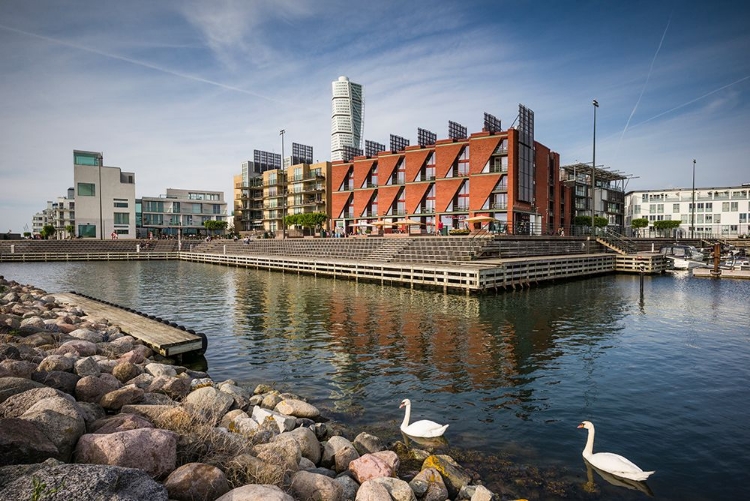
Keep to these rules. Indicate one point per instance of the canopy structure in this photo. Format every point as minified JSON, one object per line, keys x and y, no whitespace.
{"x":364,"y":224}
{"x":408,"y":221}
{"x":481,"y":219}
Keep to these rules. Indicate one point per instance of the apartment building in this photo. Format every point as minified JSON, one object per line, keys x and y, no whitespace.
{"x":180,"y":213}
{"x":716,"y":212}
{"x":347,"y":118}
{"x":104,"y":198}
{"x":502,"y":180}
{"x":604,"y":198}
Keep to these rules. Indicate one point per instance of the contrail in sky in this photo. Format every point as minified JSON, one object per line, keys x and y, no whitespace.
{"x":144,"y":64}
{"x":643,"y":89}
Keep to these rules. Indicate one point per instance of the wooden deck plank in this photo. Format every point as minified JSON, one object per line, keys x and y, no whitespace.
{"x":162,"y":338}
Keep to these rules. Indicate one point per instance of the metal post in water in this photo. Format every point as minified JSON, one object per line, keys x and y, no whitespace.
{"x":642,"y":269}
{"x":716,"y":272}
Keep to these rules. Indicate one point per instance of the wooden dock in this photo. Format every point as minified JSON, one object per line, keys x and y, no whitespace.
{"x":709,"y":273}
{"x":165,"y":339}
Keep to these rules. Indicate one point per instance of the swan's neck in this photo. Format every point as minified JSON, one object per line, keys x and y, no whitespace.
{"x":407,"y":415}
{"x":589,"y":449}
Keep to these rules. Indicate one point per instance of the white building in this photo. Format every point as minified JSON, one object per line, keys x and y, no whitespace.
{"x":718,"y":212}
{"x":104,"y":198}
{"x":347,"y":119}
{"x":181,"y":212}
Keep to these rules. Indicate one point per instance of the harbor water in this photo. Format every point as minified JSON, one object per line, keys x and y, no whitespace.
{"x":663,"y":375}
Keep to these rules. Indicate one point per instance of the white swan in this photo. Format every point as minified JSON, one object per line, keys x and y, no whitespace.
{"x":423,"y":428}
{"x":611,"y":463}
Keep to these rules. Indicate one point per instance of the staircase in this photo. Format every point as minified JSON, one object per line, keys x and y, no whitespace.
{"x":618,"y":243}
{"x":390,"y":248}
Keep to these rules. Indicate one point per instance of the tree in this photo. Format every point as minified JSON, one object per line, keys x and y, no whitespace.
{"x":70,"y":229}
{"x":600,"y":222}
{"x":637,"y":224}
{"x":309,"y":220}
{"x":665,"y":227}
{"x":212,"y":225}
{"x":47,"y":231}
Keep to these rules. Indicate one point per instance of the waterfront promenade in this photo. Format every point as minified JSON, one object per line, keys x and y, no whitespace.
{"x":469,"y":264}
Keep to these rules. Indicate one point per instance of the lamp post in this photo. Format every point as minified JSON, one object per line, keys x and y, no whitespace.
{"x":692,"y":210}
{"x":593,"y":174}
{"x":283,"y":187}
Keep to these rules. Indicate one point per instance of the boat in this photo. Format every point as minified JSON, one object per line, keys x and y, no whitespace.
{"x":683,"y":257}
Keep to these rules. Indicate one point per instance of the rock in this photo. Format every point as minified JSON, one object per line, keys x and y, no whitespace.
{"x":73,"y":481}
{"x":338,"y":452}
{"x":398,"y":489}
{"x":209,"y":403}
{"x":63,"y":381}
{"x":176,"y":388}
{"x":196,"y":482}
{"x":119,"y":422}
{"x":16,"y":405}
{"x":286,"y":454}
{"x":241,"y":396}
{"x":285,"y":423}
{"x":156,"y":399}
{"x":77,"y":347}
{"x":372,"y":491}
{"x":90,"y":412}
{"x":482,"y":493}
{"x":17,"y":368}
{"x":88,"y":335}
{"x":307,"y":485}
{"x":297,"y":408}
{"x":150,"y":449}
{"x":366,"y":443}
{"x":56,"y":363}
{"x":428,"y":485}
{"x":157,"y":370}
{"x":453,"y":475}
{"x":60,"y":420}
{"x":230,"y":416}
{"x":270,"y":400}
{"x":21,"y":442}
{"x":256,"y":493}
{"x":87,"y":366}
{"x":368,"y":467}
{"x":125,"y":371}
{"x":32,"y":324}
{"x":256,"y":470}
{"x":244,"y":425}
{"x":93,"y":388}
{"x":150,"y":412}
{"x":132,"y":357}
{"x":8,"y":351}
{"x":127,"y":395}
{"x":308,"y":443}
{"x":13,"y":385}
{"x":349,"y":487}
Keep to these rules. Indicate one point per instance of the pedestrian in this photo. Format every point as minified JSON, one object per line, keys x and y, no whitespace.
{"x":440,"y":228}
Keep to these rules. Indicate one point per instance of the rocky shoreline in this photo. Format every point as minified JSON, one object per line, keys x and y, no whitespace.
{"x":88,"y":412}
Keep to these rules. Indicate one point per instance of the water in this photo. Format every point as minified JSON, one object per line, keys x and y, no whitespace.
{"x":664,"y":380}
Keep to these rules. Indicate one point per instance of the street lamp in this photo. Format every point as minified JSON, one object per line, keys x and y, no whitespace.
{"x":283,"y":187}
{"x":692,"y":212}
{"x":593,"y":174}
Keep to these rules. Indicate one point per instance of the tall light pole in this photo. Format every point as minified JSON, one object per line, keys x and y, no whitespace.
{"x":692,"y":210}
{"x":283,"y":187}
{"x":593,"y":174}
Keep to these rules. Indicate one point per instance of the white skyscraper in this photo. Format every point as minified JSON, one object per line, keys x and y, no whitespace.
{"x":347,"y":118}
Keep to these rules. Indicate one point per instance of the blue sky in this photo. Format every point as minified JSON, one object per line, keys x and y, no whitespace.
{"x":182,"y":92}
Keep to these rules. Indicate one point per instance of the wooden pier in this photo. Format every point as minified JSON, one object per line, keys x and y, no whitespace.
{"x":165,"y":339}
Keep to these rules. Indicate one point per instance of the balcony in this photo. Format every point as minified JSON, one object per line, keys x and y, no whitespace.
{"x":499,"y":206}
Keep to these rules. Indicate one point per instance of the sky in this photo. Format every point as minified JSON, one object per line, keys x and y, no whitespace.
{"x":181,"y":92}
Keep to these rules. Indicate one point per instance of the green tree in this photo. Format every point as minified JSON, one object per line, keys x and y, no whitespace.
{"x":600,"y":222}
{"x":70,"y":230}
{"x":213,"y":226}
{"x":666,"y":228}
{"x":637,"y":224}
{"x":47,"y":231}
{"x":309,"y":220}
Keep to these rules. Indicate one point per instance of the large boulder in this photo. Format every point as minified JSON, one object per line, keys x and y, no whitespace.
{"x":338,"y":452}
{"x":373,"y":491}
{"x":307,"y":485}
{"x":17,"y":404}
{"x":17,"y":368}
{"x":150,"y":449}
{"x":74,"y":481}
{"x":176,"y":388}
{"x":21,"y":442}
{"x":285,"y":453}
{"x":119,"y":422}
{"x":127,"y":395}
{"x":13,"y":385}
{"x":60,"y":420}
{"x":256,"y":470}
{"x":297,"y":408}
{"x":428,"y":485}
{"x":368,"y":467}
{"x":93,"y":388}
{"x":63,"y":381}
{"x":196,"y":482}
{"x":77,"y":347}
{"x":453,"y":475}
{"x":256,"y":493}
{"x":209,"y":403}
{"x":308,"y":442}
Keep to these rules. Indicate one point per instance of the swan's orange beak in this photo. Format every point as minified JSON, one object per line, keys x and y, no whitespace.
{"x":402,"y":404}
{"x":581,"y":426}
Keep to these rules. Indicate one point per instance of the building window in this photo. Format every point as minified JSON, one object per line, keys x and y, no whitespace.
{"x":122,"y":218}
{"x":86,"y":190}
{"x":121,"y":204}
{"x":87,"y":230}
{"x":675,"y":208}
{"x":734,"y":206}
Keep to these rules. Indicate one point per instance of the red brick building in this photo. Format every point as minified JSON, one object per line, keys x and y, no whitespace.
{"x":500,"y":181}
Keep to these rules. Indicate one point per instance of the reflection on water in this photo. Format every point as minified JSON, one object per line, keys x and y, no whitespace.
{"x":512,"y":373}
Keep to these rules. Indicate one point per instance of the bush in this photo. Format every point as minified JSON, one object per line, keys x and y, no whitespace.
{"x":458,"y":232}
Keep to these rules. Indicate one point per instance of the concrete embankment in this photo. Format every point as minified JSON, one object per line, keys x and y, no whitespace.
{"x":88,"y":412}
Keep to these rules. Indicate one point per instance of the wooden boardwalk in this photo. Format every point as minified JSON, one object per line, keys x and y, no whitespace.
{"x":164,"y":339}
